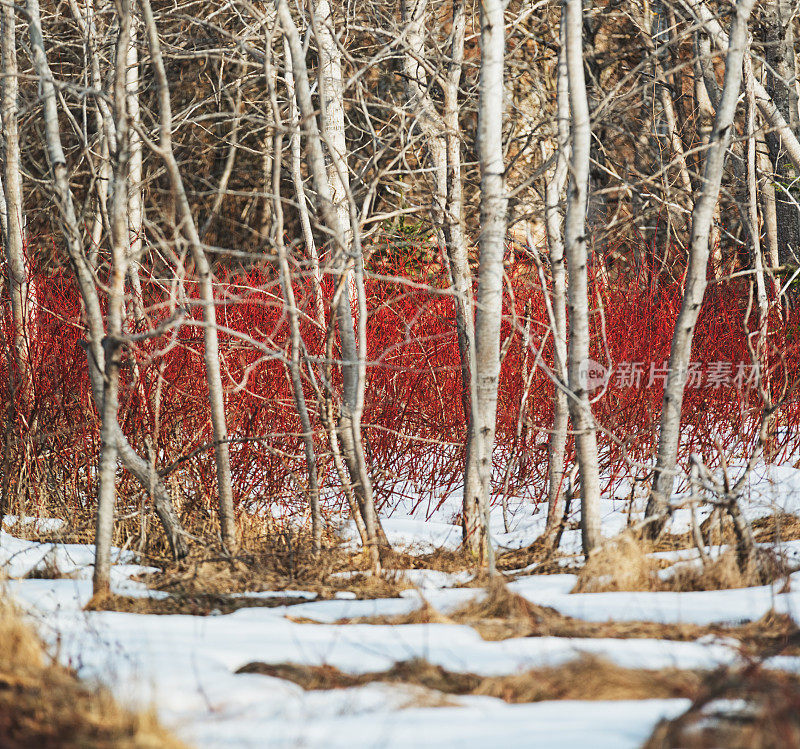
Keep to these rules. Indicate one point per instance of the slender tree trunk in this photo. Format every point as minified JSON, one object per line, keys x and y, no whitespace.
{"x":84,"y":273}
{"x":575,"y":246}
{"x":104,"y":126}
{"x":300,"y":190}
{"x":443,"y":145}
{"x":227,"y":517}
{"x":104,"y":526}
{"x":353,"y":356}
{"x":752,"y":202}
{"x":331,"y":95}
{"x":702,"y":215}
{"x":458,"y":261}
{"x":135,"y":203}
{"x":327,"y":415}
{"x":14,"y":234}
{"x":781,"y":85}
{"x":708,"y":95}
{"x":292,"y":312}
{"x":486,"y":374}
{"x":348,"y":261}
{"x":426,"y":119}
{"x":557,"y":443}
{"x":3,"y":209}
{"x":767,"y":193}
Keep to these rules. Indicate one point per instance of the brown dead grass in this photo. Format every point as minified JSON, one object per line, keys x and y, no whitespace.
{"x":620,"y":565}
{"x":779,"y":527}
{"x":503,"y":615}
{"x":282,"y":563}
{"x":769,"y":717}
{"x":443,"y":560}
{"x":625,"y":564}
{"x":43,"y":705}
{"x":587,"y":678}
{"x":193,"y":605}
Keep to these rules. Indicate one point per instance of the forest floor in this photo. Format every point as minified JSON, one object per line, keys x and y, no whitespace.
{"x":640,"y":645}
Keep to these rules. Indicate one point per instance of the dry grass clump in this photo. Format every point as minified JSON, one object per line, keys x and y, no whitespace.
{"x":43,"y":705}
{"x":196,"y":604}
{"x":504,"y":614}
{"x":754,"y":708}
{"x":718,"y":529}
{"x":282,"y":562}
{"x":622,"y":564}
{"x":724,"y":573}
{"x":587,"y":678}
{"x":625,"y":564}
{"x":782,"y":526}
{"x":442,"y":560}
{"x":591,"y":678}
{"x":772,"y":634}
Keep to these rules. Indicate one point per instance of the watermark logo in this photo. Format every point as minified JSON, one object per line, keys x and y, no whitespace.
{"x":713,"y":375}
{"x":592,"y":375}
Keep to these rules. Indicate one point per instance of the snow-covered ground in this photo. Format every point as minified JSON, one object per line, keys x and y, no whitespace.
{"x":186,"y":666}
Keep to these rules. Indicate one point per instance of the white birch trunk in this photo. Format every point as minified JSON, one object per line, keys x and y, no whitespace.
{"x":576,"y":250}
{"x":353,"y":353}
{"x":556,"y":447}
{"x":84,"y":273}
{"x":486,"y":374}
{"x":422,"y":110}
{"x":299,"y":187}
{"x":211,"y":356}
{"x":14,"y":234}
{"x":702,"y":216}
{"x":135,"y":204}
{"x":112,"y":343}
{"x":331,"y":93}
{"x":292,"y":311}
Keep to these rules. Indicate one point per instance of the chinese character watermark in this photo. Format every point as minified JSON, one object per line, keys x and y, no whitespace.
{"x":636,"y":374}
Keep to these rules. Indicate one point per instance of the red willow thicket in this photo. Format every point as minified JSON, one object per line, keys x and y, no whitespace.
{"x":413,"y":422}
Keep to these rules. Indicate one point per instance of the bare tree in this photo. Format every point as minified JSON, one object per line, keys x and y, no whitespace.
{"x":460,"y":274}
{"x":702,"y":216}
{"x":14,"y":232}
{"x":458,"y":255}
{"x":83,"y":269}
{"x":216,"y":398}
{"x":353,"y":352}
{"x":425,"y":118}
{"x":556,"y":447}
{"x":135,"y":202}
{"x":292,"y":311}
{"x":486,"y":374}
{"x":112,"y":343}
{"x":575,"y":246}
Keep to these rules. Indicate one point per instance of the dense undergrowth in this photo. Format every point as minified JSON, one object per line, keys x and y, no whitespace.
{"x":413,"y":423}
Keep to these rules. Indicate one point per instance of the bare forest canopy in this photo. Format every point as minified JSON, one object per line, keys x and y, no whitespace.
{"x":272,"y":263}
